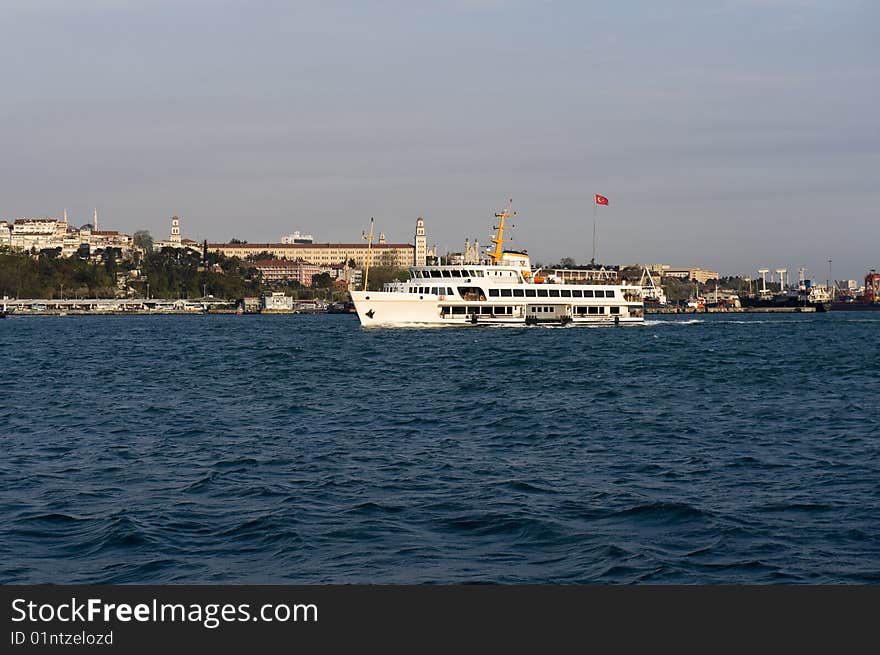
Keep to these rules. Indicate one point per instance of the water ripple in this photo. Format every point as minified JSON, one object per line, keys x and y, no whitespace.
{"x":303,"y":449}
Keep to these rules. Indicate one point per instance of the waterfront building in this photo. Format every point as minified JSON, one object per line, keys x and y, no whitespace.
{"x":5,"y":234}
{"x":277,"y":301}
{"x":283,"y":270}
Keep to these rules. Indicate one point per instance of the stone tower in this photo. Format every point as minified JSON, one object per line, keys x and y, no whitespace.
{"x":175,"y":229}
{"x":471,"y":253}
{"x":421,"y":251}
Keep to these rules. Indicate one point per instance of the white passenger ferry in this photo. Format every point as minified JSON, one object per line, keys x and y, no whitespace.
{"x":504,"y":290}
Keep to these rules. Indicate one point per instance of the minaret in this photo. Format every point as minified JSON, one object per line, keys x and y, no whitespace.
{"x":65,"y":218}
{"x":421,"y":243}
{"x":95,"y":220}
{"x":175,"y":230}
{"x":381,"y":238}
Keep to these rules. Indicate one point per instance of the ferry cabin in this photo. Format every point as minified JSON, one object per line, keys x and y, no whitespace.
{"x":496,"y":294}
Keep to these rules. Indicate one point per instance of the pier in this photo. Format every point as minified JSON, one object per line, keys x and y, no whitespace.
{"x":116,"y":306}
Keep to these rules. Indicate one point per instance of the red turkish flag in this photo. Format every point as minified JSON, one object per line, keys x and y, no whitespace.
{"x":601,"y":200}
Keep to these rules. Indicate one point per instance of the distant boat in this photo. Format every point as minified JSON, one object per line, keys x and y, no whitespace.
{"x":869,"y":301}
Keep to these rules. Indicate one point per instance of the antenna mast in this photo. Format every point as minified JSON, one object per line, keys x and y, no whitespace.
{"x":499,"y":239}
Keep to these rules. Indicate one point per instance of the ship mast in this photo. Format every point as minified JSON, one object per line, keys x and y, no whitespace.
{"x":499,"y":239}
{"x":369,"y":238}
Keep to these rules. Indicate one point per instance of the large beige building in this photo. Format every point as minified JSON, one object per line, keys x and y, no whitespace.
{"x":694,"y":274}
{"x":398,"y":255}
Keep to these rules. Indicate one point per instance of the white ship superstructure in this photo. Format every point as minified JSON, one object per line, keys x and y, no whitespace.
{"x":501,"y":291}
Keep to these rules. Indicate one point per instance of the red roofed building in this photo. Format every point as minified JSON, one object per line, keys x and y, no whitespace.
{"x":283,"y":270}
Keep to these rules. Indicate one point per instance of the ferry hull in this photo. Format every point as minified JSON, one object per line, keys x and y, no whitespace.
{"x":392,"y":309}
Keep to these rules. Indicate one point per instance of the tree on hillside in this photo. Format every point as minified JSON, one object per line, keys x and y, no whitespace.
{"x":379,"y":275}
{"x":262,"y":256}
{"x":322,"y":281}
{"x":143,"y":240}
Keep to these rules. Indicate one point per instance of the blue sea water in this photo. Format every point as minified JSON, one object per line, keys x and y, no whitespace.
{"x":733,"y":448}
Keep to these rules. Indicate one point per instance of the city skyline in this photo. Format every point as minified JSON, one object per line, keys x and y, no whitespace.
{"x":736,"y":136}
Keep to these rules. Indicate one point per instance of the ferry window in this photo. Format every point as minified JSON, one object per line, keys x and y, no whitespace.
{"x":473,"y":310}
{"x":593,"y":310}
{"x":533,"y":309}
{"x":576,"y":293}
{"x":455,"y":272}
{"x":436,"y":274}
{"x":506,"y":293}
{"x":542,"y":293}
{"x":485,"y":310}
{"x":588,"y":293}
{"x":609,"y":293}
{"x":493,"y":293}
{"x":615,"y":310}
{"x":566,"y":293}
{"x":601,"y":310}
{"x":554,"y":293}
{"x":479,"y":273}
{"x":500,"y":310}
{"x":449,"y":290}
{"x":531,"y":293}
{"x":458,"y":310}
{"x":519,"y":293}
{"x":600,"y":293}
{"x":447,"y":309}
{"x":446,"y":273}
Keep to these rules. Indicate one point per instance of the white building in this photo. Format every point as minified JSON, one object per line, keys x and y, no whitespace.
{"x":277,"y":301}
{"x":296,"y":237}
{"x":5,"y":233}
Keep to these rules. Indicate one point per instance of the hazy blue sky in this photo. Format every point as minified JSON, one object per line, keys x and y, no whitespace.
{"x":728,"y":134}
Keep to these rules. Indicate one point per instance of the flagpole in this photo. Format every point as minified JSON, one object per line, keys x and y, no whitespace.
{"x":593,"y":261}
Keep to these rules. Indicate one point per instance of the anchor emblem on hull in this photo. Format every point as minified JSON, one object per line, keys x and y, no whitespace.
{"x":371,"y":313}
